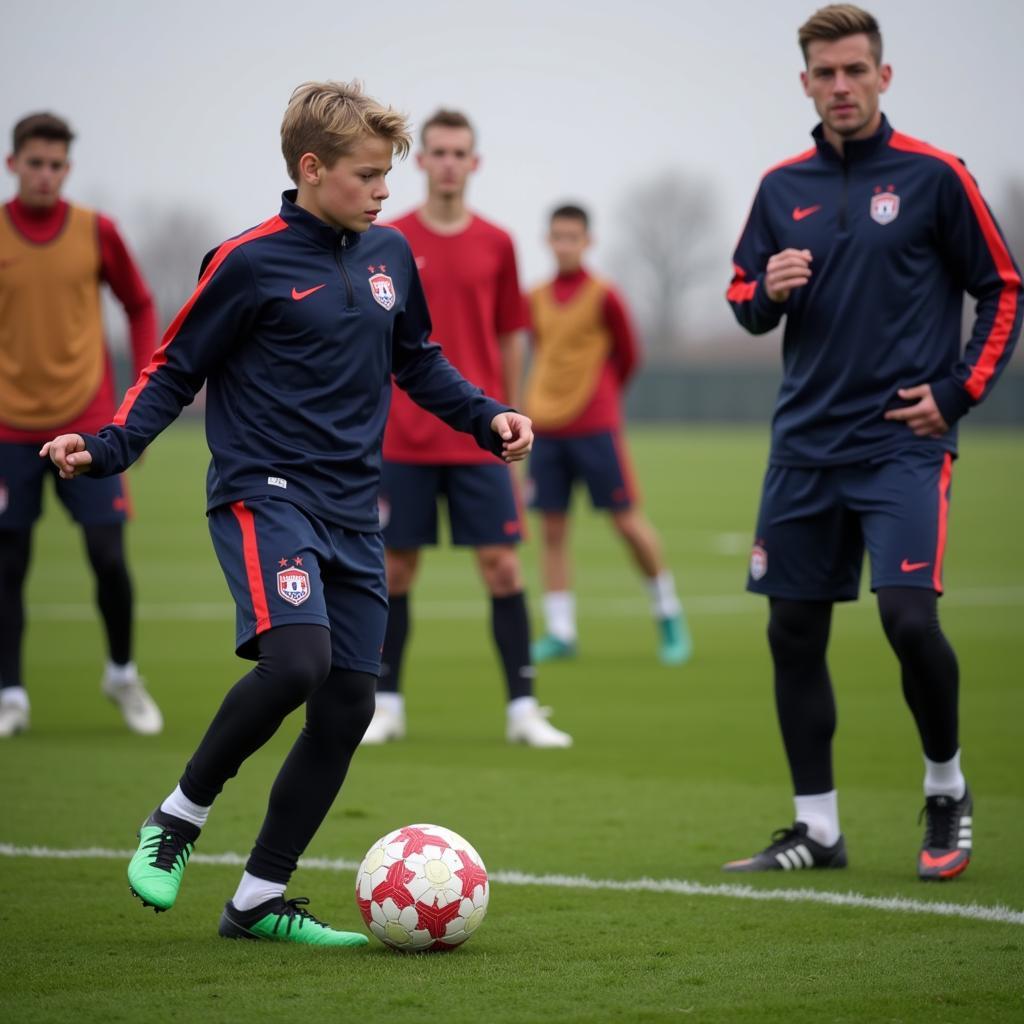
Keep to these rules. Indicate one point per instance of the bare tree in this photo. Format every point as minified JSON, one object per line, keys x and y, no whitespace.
{"x":662,"y":251}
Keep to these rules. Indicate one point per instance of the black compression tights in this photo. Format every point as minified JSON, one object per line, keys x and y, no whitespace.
{"x":798,"y":634}
{"x":105,"y":548}
{"x":294,"y":667}
{"x":928,"y":665}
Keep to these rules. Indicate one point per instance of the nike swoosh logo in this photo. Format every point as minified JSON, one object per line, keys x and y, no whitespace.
{"x":906,"y":566}
{"x":938,"y":862}
{"x":299,"y":296}
{"x":799,"y":214}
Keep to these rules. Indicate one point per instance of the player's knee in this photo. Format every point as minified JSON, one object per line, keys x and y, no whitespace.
{"x":105,"y":547}
{"x":341,"y":710}
{"x":297,"y":657}
{"x":401,"y":569}
{"x":909,"y":617}
{"x":797,"y":631}
{"x":501,"y":570}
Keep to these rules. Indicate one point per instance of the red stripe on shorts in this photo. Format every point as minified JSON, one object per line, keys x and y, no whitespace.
{"x":945,"y":478}
{"x":253,"y":573}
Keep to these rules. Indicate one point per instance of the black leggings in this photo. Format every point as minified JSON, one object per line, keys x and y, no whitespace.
{"x":798,"y":633}
{"x":294,"y":667}
{"x":105,"y":547}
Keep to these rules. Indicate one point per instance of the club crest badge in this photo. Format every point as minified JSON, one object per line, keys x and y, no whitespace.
{"x":383,"y":289}
{"x":293,"y":585}
{"x":758,"y":562}
{"x":885,"y":207}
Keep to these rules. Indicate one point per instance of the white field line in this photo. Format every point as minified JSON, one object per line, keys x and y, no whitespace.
{"x":597,"y":608}
{"x":675,"y":886}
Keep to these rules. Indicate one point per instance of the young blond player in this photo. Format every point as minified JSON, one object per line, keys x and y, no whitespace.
{"x":296,"y":326}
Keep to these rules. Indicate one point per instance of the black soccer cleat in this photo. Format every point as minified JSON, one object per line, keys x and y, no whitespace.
{"x":792,"y":849}
{"x":946,"y":849}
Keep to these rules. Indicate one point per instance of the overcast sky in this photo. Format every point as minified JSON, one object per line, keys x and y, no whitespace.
{"x":181,"y":103}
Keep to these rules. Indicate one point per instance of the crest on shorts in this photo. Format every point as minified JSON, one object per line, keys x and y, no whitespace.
{"x":383,"y":289}
{"x":885,"y":206}
{"x":293,"y":585}
{"x":758,"y":562}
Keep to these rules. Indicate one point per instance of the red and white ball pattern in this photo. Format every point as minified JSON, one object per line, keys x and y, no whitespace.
{"x":422,"y":887}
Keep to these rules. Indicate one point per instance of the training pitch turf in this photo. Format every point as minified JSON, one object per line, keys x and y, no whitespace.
{"x":674,"y":771}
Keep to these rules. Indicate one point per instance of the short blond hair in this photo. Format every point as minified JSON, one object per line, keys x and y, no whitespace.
{"x":837,"y":21}
{"x":330,"y":118}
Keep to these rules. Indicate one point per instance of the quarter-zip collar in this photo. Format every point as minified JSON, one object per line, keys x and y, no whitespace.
{"x":854,"y":150}
{"x":312,"y":227}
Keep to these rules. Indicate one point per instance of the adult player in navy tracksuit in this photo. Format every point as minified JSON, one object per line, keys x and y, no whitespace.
{"x":296,"y":326}
{"x":866,"y":244}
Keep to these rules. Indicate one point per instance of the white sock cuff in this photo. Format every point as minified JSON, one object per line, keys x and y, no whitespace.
{"x":560,"y":614}
{"x":664,"y":600}
{"x":14,"y":696}
{"x":253,"y":891}
{"x":389,"y":701}
{"x":179,"y":805}
{"x":522,"y":706}
{"x":820,"y":813}
{"x":944,"y":778}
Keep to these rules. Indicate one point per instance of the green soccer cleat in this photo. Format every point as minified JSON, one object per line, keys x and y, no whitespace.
{"x":281,"y":920}
{"x":154,"y":873}
{"x":675,"y":646}
{"x":550,"y":648}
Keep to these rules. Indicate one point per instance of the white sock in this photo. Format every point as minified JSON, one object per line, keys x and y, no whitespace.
{"x":14,"y":696}
{"x":121,"y":674}
{"x":394,"y":703}
{"x":944,"y":778}
{"x":664,"y":600}
{"x":253,"y":891}
{"x":521,"y":707}
{"x":560,"y":615}
{"x":820,"y":813}
{"x":180,"y":806}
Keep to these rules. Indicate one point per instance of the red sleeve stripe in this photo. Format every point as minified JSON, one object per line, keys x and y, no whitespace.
{"x":253,"y":572}
{"x":741,"y":290}
{"x":1006,"y":311}
{"x":268,"y":227}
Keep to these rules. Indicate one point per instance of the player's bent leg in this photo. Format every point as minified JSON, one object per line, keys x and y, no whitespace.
{"x":293,"y":661}
{"x":337,"y":714}
{"x":930,"y":677}
{"x":121,"y":683}
{"x":559,"y":639}
{"x":15,"y":549}
{"x":675,"y":644}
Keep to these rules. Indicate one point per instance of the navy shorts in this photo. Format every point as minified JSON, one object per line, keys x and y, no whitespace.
{"x":91,"y":501}
{"x":483,"y":507}
{"x":814,"y":525}
{"x":599,"y":460}
{"x":285,"y":566}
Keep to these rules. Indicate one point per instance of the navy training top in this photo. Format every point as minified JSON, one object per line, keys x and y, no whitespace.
{"x":297,"y":329}
{"x":898,"y":231}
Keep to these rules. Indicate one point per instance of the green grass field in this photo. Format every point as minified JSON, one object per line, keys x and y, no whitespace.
{"x":674,"y":771}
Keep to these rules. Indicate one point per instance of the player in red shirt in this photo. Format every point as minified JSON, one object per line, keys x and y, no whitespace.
{"x":468,"y":269}
{"x":56,"y":377}
{"x":584,"y":354}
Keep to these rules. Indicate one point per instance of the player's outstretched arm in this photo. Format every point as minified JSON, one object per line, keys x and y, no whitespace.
{"x":516,"y":433}
{"x":68,"y":453}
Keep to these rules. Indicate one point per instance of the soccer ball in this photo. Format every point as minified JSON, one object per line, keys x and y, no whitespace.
{"x":422,"y":887}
